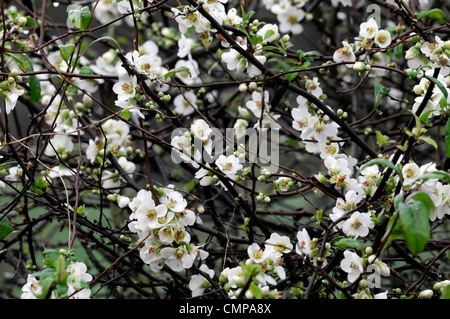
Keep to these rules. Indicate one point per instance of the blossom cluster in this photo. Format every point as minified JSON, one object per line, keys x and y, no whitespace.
{"x":269,"y":269}
{"x":89,"y":154}
{"x":162,"y":229}
{"x":72,"y":282}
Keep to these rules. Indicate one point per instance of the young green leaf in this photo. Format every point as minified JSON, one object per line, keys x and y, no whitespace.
{"x":66,"y":50}
{"x":439,"y":85}
{"x":447,"y":138}
{"x":344,"y":243}
{"x":382,"y":162}
{"x":5,"y":227}
{"x":441,"y":175}
{"x":415,"y":224}
{"x":80,"y":18}
{"x":437,"y":14}
{"x":26,"y":65}
{"x":105,"y":38}
{"x":177,"y":70}
{"x":380,"y":93}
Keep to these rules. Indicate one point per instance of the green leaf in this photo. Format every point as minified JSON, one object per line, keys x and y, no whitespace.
{"x":5,"y":227}
{"x":66,"y":50}
{"x":383,"y":162}
{"x":437,"y":14}
{"x":177,"y":70}
{"x":380,"y":92}
{"x":31,"y":22}
{"x":421,"y":197}
{"x":398,"y":51}
{"x":80,"y":18}
{"x":441,"y":175}
{"x":35,"y":88}
{"x":292,"y":76}
{"x":415,"y":224}
{"x":394,"y":229}
{"x":255,"y":290}
{"x":105,"y":38}
{"x":344,"y":243}
{"x":398,"y":199}
{"x":6,"y":165}
{"x":23,"y":62}
{"x":26,"y":65}
{"x":269,"y":34}
{"x":45,"y":284}
{"x":126,"y":114}
{"x":439,"y":85}
{"x":428,"y":140}
{"x":424,"y":118}
{"x":447,"y":138}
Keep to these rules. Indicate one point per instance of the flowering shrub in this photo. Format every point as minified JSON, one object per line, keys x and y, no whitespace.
{"x":270,"y":149}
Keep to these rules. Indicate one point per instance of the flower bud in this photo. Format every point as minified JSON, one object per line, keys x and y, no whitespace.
{"x":426,"y":294}
{"x":243,"y":87}
{"x":359,"y":66}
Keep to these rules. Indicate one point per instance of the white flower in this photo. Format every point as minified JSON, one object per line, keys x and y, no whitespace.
{"x":32,"y":289}
{"x":278,"y":245}
{"x":198,"y":283}
{"x":138,"y":199}
{"x":185,"y":46}
{"x":190,"y":77}
{"x":117,"y":134}
{"x":105,"y":64}
{"x":11,"y":96}
{"x":269,"y":32}
{"x":15,"y":173}
{"x":78,"y":275}
{"x":201,"y":129}
{"x":301,"y":118}
{"x":229,"y":165}
{"x":290,"y":20}
{"x":429,"y":48}
{"x":174,"y":201}
{"x":240,"y":127}
{"x":320,"y":129}
{"x":313,"y":87}
{"x":183,"y":103}
{"x":60,"y":171}
{"x":186,"y":217}
{"x":410,"y":173}
{"x":127,"y":165}
{"x":368,"y":29}
{"x":383,"y":38}
{"x":111,"y":180}
{"x":106,"y":10}
{"x":352,"y":265}
{"x":256,"y":253}
{"x":358,"y":224}
{"x":177,"y":258}
{"x":235,"y":275}
{"x":59,"y":144}
{"x":441,"y":199}
{"x":126,"y":87}
{"x":303,"y":246}
{"x":258,"y":101}
{"x":383,"y":269}
{"x":338,"y":169}
{"x":234,"y":60}
{"x":149,"y":215}
{"x":344,"y":54}
{"x":150,"y":65}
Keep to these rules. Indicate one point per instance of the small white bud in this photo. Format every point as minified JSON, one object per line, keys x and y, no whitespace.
{"x":426,"y":294}
{"x":359,"y":66}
